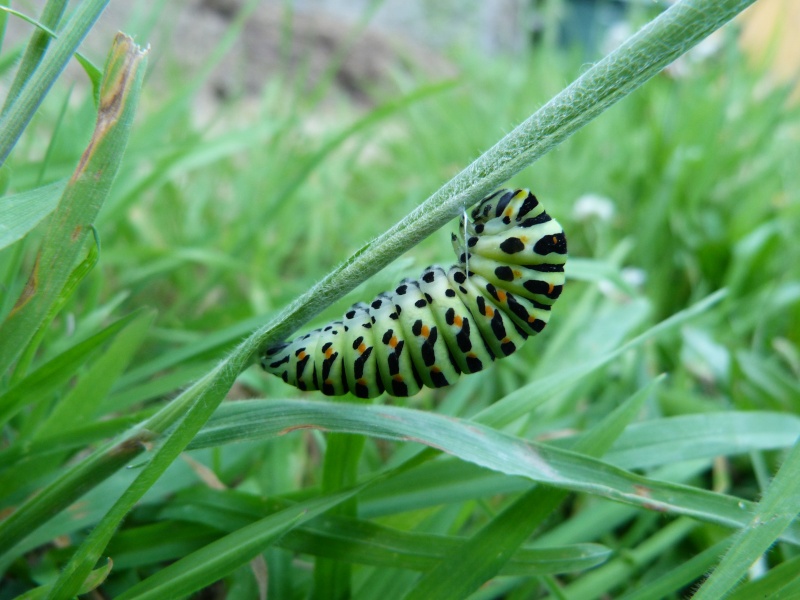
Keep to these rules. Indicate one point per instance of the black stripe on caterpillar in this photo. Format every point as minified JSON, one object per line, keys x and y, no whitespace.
{"x":428,"y":331}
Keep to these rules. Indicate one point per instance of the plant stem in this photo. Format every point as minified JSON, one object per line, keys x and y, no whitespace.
{"x":643,"y":55}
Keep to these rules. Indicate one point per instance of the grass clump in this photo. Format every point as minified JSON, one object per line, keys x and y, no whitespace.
{"x":573,"y":468}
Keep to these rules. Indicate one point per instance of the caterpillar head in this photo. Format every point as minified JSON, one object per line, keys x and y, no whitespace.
{"x":503,"y":208}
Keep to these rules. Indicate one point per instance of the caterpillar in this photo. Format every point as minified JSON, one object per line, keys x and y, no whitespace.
{"x":428,"y":331}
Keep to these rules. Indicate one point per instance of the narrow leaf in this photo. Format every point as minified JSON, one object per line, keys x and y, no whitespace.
{"x":17,"y":116}
{"x":58,"y":370}
{"x":470,"y":441}
{"x":85,"y":193}
{"x":776,"y":511}
{"x":463,"y":571}
{"x":212,"y":562}
{"x":20,"y":213}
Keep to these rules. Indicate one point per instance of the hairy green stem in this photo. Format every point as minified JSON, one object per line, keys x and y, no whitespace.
{"x":618,"y":74}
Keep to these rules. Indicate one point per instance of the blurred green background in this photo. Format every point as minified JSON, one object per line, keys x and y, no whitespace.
{"x":274,"y":139}
{"x":303,"y":134}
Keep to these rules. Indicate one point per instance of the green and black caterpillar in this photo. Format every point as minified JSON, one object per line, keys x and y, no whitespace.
{"x":509,"y":273}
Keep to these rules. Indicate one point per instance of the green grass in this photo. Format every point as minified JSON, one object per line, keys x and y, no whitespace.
{"x":647,"y":436}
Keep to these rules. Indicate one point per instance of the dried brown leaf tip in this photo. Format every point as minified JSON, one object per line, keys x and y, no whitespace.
{"x":122,"y":66}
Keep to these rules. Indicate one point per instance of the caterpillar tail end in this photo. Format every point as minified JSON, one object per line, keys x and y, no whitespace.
{"x":269,"y":353}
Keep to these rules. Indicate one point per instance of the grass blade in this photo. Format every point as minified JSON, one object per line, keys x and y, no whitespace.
{"x":210,"y":563}
{"x":84,"y":195}
{"x":333,"y":536}
{"x":70,"y":486}
{"x":20,"y":213}
{"x":37,"y":46}
{"x":675,"y":439}
{"x":681,"y":577}
{"x":19,"y":113}
{"x":482,"y":557}
{"x":55,"y":372}
{"x":81,"y":404}
{"x":597,"y":583}
{"x":472,"y":442}
{"x":776,"y":511}
{"x":781,"y":583}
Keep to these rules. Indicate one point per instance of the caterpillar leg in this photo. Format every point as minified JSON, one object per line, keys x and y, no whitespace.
{"x":430,"y":355}
{"x":528,"y":315}
{"x":397,"y":370}
{"x":329,"y":372}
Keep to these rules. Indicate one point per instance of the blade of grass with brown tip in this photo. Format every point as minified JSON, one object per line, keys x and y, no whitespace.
{"x":83,"y":196}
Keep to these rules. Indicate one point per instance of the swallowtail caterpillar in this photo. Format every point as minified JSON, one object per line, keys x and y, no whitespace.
{"x":426,"y":332}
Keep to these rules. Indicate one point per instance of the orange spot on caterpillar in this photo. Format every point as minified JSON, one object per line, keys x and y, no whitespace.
{"x":302,"y":355}
{"x":501,"y":295}
{"x":517,"y":274}
{"x":435,"y":369}
{"x":398,"y":378}
{"x":550,"y":289}
{"x":458,"y":321}
{"x":362,"y":347}
{"x":508,"y":212}
{"x":489,"y":311}
{"x":393,"y":341}
{"x":555,"y":240}
{"x":328,"y":354}
{"x":361,"y":381}
{"x":425,"y":331}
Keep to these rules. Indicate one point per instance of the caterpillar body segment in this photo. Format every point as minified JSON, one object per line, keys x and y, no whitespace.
{"x":426,"y":332}
{"x":363,"y":377}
